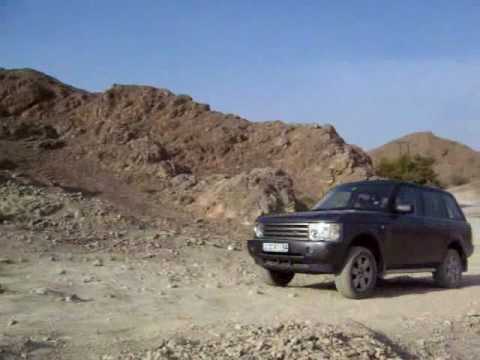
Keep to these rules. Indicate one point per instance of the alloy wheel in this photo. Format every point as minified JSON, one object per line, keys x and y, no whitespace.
{"x":362,"y":273}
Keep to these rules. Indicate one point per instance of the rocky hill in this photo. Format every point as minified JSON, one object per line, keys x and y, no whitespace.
{"x":451,"y":157}
{"x":177,"y":152}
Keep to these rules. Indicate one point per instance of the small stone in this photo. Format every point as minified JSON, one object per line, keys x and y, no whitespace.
{"x":6,"y":261}
{"x":52,"y":258}
{"x":256,"y":292}
{"x":88,"y":279}
{"x":41,"y":291}
{"x":292,"y":295}
{"x":62,"y":272}
{"x":98,"y":262}
{"x":12,"y":322}
{"x":230,"y":247}
{"x":2,"y":289}
{"x":72,"y":298}
{"x":172,"y":286}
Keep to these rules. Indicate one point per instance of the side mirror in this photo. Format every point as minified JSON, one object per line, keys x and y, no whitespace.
{"x":404,"y":208}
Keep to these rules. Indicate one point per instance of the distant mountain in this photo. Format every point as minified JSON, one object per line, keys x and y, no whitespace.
{"x":456,"y":163}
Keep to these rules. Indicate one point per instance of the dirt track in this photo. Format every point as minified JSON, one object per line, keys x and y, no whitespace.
{"x":78,"y":280}
{"x":82,"y":305}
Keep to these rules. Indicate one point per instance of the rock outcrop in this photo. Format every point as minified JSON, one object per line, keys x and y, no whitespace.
{"x":149,"y":136}
{"x":244,"y":196}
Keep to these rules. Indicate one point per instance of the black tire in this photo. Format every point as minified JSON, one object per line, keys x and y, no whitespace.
{"x":276,"y":278}
{"x":449,"y":273}
{"x":358,"y":277}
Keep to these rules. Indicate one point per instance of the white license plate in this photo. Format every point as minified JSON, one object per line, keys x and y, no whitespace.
{"x":275,"y":247}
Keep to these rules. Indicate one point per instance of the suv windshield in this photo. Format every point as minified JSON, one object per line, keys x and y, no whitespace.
{"x":359,"y":197}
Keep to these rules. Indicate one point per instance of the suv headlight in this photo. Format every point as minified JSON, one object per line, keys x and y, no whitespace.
{"x":258,"y":230}
{"x":323,"y":231}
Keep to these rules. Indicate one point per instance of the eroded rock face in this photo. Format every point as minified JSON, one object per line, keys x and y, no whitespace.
{"x":149,"y":135}
{"x":244,"y":196}
{"x":26,"y":93}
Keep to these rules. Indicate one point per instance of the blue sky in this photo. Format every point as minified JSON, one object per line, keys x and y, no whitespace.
{"x":376,"y":70}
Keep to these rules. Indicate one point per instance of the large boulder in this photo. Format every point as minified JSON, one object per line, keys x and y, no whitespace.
{"x":244,"y":196}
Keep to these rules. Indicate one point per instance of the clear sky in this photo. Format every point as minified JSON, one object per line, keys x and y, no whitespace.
{"x":376,"y":70}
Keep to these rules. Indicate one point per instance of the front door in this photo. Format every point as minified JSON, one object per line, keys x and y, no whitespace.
{"x":407,"y":241}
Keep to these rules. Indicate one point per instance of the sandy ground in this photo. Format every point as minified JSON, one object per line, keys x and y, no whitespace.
{"x":73,"y":304}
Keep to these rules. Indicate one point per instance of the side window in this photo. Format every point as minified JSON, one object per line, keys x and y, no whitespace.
{"x":434,"y":206}
{"x":408,"y":195}
{"x":453,"y":211}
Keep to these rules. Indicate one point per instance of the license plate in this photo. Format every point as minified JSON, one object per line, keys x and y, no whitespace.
{"x":275,"y":247}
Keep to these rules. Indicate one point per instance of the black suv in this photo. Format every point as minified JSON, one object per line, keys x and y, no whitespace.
{"x":363,"y":231}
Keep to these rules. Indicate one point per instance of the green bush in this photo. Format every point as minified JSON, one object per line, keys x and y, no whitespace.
{"x":417,"y":169}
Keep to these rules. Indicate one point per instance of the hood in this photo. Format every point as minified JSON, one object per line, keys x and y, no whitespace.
{"x":313,"y":216}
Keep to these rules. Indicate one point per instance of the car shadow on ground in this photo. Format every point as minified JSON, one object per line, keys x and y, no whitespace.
{"x":402,"y":285}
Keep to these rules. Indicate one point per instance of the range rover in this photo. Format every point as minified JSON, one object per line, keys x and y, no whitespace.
{"x":363,"y":231}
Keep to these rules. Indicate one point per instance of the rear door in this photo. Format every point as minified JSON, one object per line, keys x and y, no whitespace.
{"x":460,"y":230}
{"x":437,"y":225}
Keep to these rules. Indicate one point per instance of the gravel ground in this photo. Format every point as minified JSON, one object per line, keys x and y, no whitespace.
{"x":290,"y":340}
{"x":80,"y":280}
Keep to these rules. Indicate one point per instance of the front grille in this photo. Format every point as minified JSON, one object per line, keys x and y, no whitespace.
{"x":285,"y":231}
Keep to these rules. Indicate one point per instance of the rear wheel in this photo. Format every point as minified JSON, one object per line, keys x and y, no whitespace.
{"x":449,"y":273}
{"x":359,"y":275}
{"x":276,"y":278}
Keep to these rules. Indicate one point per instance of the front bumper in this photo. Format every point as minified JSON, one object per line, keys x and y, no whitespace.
{"x":308,"y":257}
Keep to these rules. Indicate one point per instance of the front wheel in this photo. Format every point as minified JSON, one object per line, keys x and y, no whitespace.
{"x":359,"y":275}
{"x":276,"y":278}
{"x":449,"y":273}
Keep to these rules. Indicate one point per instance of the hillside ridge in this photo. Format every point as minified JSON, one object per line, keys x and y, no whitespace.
{"x":170,"y":145}
{"x":450,"y":156}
